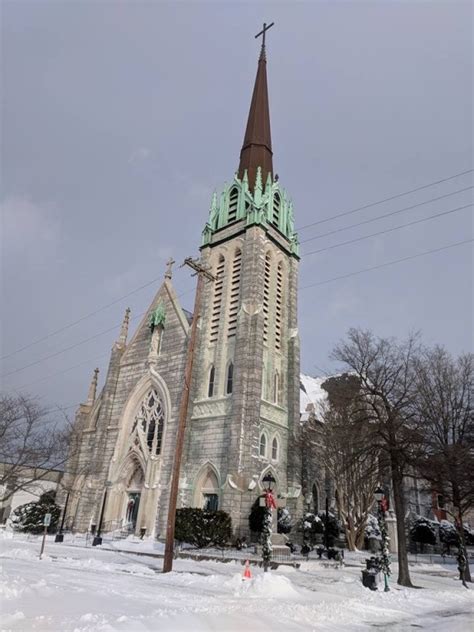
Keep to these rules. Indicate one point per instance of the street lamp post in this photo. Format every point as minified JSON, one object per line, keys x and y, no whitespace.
{"x":385,"y":556}
{"x":268,"y":482}
{"x":60,"y":536}
{"x":98,"y":538}
{"x":326,"y":525}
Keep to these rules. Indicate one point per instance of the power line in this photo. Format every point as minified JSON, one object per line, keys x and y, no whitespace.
{"x":388,"y":230}
{"x":70,"y":368}
{"x":388,"y":263}
{"x":77,"y":344}
{"x":53,"y":355}
{"x":374,"y":219}
{"x":79,"y":320}
{"x":388,"y":199}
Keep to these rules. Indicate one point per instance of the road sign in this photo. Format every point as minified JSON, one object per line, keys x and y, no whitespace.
{"x":47,"y":520}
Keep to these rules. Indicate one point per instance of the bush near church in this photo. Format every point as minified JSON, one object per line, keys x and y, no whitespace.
{"x":29,"y":518}
{"x":423,"y":531}
{"x":202,"y":528}
{"x":313,"y":525}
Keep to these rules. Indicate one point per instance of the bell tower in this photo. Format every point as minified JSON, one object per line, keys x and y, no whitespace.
{"x":244,"y":416}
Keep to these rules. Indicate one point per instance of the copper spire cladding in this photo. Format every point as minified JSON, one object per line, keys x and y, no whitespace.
{"x":257,"y":146}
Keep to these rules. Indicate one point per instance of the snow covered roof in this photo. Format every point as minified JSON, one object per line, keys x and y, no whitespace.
{"x":312,"y":395}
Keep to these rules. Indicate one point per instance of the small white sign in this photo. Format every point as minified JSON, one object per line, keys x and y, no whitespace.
{"x":47,"y":520}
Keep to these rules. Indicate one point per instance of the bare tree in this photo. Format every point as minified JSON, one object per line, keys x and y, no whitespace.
{"x":385,"y":370}
{"x":350,"y":459}
{"x":445,"y":406}
{"x":32,"y":443}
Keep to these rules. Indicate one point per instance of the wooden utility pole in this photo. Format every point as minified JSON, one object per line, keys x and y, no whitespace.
{"x":202,"y":274}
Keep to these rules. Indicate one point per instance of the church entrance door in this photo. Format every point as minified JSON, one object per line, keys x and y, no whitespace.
{"x":132,"y":510}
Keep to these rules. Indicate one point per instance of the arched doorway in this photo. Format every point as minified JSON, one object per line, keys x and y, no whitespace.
{"x":133,"y":490}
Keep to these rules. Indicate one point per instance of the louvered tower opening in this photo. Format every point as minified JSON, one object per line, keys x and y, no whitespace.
{"x":234,"y":299}
{"x":217,"y":301}
{"x":233,"y":203}
{"x":276,"y":211}
{"x":278,"y":306}
{"x":266,"y":297}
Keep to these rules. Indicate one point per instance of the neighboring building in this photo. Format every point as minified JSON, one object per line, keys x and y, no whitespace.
{"x":245,"y":391}
{"x":30,"y":490}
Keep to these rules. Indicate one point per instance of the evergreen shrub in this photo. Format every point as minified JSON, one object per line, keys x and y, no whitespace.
{"x":29,"y":518}
{"x":202,"y":528}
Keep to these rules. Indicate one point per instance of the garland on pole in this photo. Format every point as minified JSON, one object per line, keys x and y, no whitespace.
{"x":384,"y":562}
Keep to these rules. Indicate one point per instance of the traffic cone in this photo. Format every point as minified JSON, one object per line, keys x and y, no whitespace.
{"x":247,"y":573}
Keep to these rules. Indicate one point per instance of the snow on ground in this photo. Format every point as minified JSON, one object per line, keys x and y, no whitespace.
{"x":80,"y":589}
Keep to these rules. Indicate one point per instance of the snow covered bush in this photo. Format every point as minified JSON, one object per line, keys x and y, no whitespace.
{"x":423,"y":531}
{"x":284,"y":520}
{"x":29,"y":518}
{"x":448,"y":534}
{"x":372,"y":528}
{"x":202,"y":528}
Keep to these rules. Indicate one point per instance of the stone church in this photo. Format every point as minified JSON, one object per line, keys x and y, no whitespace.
{"x":244,"y":410}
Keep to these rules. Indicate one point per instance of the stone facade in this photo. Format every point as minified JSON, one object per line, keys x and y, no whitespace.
{"x":244,"y":413}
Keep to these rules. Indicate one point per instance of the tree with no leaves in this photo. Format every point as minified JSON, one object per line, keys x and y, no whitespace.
{"x":445,"y":407}
{"x":385,"y":370}
{"x":350,"y":460}
{"x":32,"y":443}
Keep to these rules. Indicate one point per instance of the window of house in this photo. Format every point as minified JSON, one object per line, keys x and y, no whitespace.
{"x":263,"y":445}
{"x":212,"y":375}
{"x":230,"y":378}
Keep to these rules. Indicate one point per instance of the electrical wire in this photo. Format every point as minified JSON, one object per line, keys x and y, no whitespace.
{"x":388,"y":199}
{"x":388,"y":230}
{"x":374,"y":219}
{"x":388,"y":263}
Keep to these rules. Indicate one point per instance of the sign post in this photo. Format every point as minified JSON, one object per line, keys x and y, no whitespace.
{"x":46,"y":523}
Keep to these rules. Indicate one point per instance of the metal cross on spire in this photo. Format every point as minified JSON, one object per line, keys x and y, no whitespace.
{"x":262,"y":33}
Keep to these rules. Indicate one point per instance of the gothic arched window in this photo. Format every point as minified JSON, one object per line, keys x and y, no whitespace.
{"x":279,"y":305}
{"x":266,"y":296}
{"x":276,"y":387}
{"x":150,"y":421}
{"x":230,"y":379}
{"x":276,"y":211}
{"x":262,"y":447}
{"x":233,"y":203}
{"x":212,"y":375}
{"x":234,"y":299}
{"x":217,"y":299}
{"x":275,"y":449}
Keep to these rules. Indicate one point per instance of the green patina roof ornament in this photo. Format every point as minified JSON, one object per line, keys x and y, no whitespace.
{"x":157,"y":317}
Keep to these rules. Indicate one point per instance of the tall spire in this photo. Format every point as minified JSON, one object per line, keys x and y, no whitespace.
{"x":257,"y":146}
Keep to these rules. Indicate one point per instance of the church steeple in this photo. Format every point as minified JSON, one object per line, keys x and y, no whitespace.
{"x":257,"y":146}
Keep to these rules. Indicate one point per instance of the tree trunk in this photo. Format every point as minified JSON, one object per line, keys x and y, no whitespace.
{"x":399,"y":501}
{"x":467,"y":572}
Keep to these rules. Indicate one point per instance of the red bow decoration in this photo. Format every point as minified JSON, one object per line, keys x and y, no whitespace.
{"x":270,"y":500}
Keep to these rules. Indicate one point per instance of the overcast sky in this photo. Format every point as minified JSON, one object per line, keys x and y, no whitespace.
{"x":120,"y":119}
